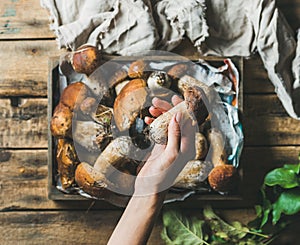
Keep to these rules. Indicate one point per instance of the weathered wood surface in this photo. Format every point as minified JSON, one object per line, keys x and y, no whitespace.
{"x":23,"y":124}
{"x":23,"y":19}
{"x":24,"y":67}
{"x":64,"y":227}
{"x":27,"y":216}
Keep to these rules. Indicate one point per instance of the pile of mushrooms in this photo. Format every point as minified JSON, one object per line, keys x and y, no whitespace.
{"x":100,"y":130}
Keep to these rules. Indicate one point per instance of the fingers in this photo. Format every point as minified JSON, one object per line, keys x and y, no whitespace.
{"x":155,"y":112}
{"x":188,"y":139}
{"x":149,"y":120}
{"x":161,"y":104}
{"x":174,"y":136}
{"x":176,"y":100}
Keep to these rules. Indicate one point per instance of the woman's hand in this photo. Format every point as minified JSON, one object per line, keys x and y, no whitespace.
{"x":166,"y":161}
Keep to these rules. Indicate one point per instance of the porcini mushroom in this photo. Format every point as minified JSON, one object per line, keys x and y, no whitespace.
{"x":177,"y":71}
{"x":91,"y":135}
{"x":129,"y":103}
{"x":93,"y":179}
{"x":73,"y":95}
{"x":61,"y":121}
{"x":193,"y":174}
{"x":223,"y":177}
{"x":67,"y":162}
{"x":193,"y":107}
{"x":137,"y":69}
{"x":86,"y":59}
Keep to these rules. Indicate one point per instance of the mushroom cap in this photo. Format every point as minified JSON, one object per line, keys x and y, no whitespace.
{"x":86,"y":59}
{"x":88,"y":105}
{"x":223,"y":178}
{"x":61,"y":122}
{"x":158,"y":80}
{"x":137,"y":68}
{"x":91,"y":181}
{"x":73,"y":95}
{"x":129,"y":103}
{"x":177,"y":70}
{"x":197,"y":103}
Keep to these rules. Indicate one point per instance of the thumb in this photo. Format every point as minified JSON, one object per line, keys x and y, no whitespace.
{"x":174,"y":136}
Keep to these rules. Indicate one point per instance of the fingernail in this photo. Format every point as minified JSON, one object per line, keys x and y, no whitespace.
{"x":178,"y":117}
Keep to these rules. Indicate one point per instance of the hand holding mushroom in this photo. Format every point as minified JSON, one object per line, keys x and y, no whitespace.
{"x":166,"y":161}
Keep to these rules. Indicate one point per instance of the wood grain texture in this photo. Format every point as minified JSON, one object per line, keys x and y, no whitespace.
{"x":23,"y":178}
{"x":65,"y":227}
{"x":24,"y":19}
{"x":24,"y":124}
{"x":25,"y":70}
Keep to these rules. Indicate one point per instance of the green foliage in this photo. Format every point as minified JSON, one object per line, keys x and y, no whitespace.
{"x":179,"y":229}
{"x":285,"y":183}
{"x":280,"y":196}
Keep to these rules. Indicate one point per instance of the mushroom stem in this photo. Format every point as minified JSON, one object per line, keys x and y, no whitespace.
{"x":216,"y":140}
{"x":193,"y":173}
{"x":158,"y":129}
{"x":115,"y":153}
{"x":193,"y":108}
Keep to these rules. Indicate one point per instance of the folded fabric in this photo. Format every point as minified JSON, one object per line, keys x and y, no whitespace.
{"x":124,"y":27}
{"x":222,"y":27}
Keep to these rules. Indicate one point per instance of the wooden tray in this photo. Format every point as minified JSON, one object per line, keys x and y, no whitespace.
{"x":196,"y":200}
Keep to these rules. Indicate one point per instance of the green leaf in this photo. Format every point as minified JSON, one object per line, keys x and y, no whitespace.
{"x":222,"y":229}
{"x":180,"y":230}
{"x":283,"y":177}
{"x":294,"y":167}
{"x":287,"y":203}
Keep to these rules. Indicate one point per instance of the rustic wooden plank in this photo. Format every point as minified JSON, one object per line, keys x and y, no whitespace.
{"x":23,"y":125}
{"x":291,"y":11}
{"x":255,"y":77}
{"x":24,"y":70}
{"x":63,"y":227}
{"x":265,"y":122}
{"x":23,"y":178}
{"x":23,"y":19}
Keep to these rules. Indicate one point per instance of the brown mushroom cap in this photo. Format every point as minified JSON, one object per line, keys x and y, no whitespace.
{"x":177,"y":70}
{"x":61,"y":122}
{"x":91,"y":181}
{"x":196,"y":103}
{"x":86,"y":59}
{"x":223,"y":178}
{"x":73,"y":95}
{"x":137,"y":68}
{"x":129,"y":103}
{"x":88,"y":105}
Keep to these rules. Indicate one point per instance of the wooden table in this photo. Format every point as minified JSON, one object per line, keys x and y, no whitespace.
{"x":27,"y":215}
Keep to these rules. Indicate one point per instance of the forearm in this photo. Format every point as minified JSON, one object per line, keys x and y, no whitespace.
{"x":138,"y":219}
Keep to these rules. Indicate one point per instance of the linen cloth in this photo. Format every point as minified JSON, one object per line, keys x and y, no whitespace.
{"x":216,"y":27}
